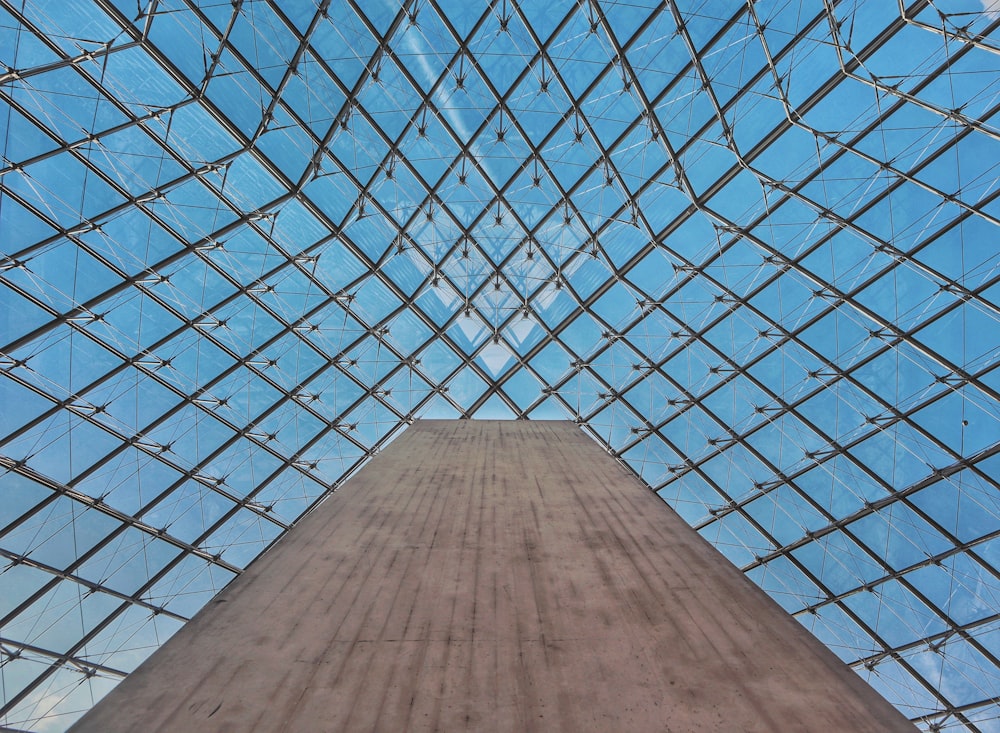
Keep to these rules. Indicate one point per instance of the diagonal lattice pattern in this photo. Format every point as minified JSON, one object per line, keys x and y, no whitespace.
{"x":750,"y":247}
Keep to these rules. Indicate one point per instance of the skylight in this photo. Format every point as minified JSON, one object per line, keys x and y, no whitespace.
{"x":749,"y":247}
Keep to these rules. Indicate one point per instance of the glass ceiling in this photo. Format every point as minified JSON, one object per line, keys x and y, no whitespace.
{"x":751,"y":247}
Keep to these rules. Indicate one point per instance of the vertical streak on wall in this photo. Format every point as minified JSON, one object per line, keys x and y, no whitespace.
{"x":493,"y":576}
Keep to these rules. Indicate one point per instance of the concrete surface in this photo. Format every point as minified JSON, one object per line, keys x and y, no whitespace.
{"x":493,"y":576}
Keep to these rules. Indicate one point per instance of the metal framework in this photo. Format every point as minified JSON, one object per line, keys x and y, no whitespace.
{"x":749,"y":246}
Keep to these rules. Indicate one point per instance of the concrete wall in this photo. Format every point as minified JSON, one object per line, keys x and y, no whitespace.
{"x":493,"y":576}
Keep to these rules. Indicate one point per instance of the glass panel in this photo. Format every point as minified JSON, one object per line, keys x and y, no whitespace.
{"x":749,"y":247}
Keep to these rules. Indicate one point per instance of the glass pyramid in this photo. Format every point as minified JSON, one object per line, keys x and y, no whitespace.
{"x":751,"y":247}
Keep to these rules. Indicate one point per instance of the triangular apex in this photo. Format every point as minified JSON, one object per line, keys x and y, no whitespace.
{"x":747,"y":247}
